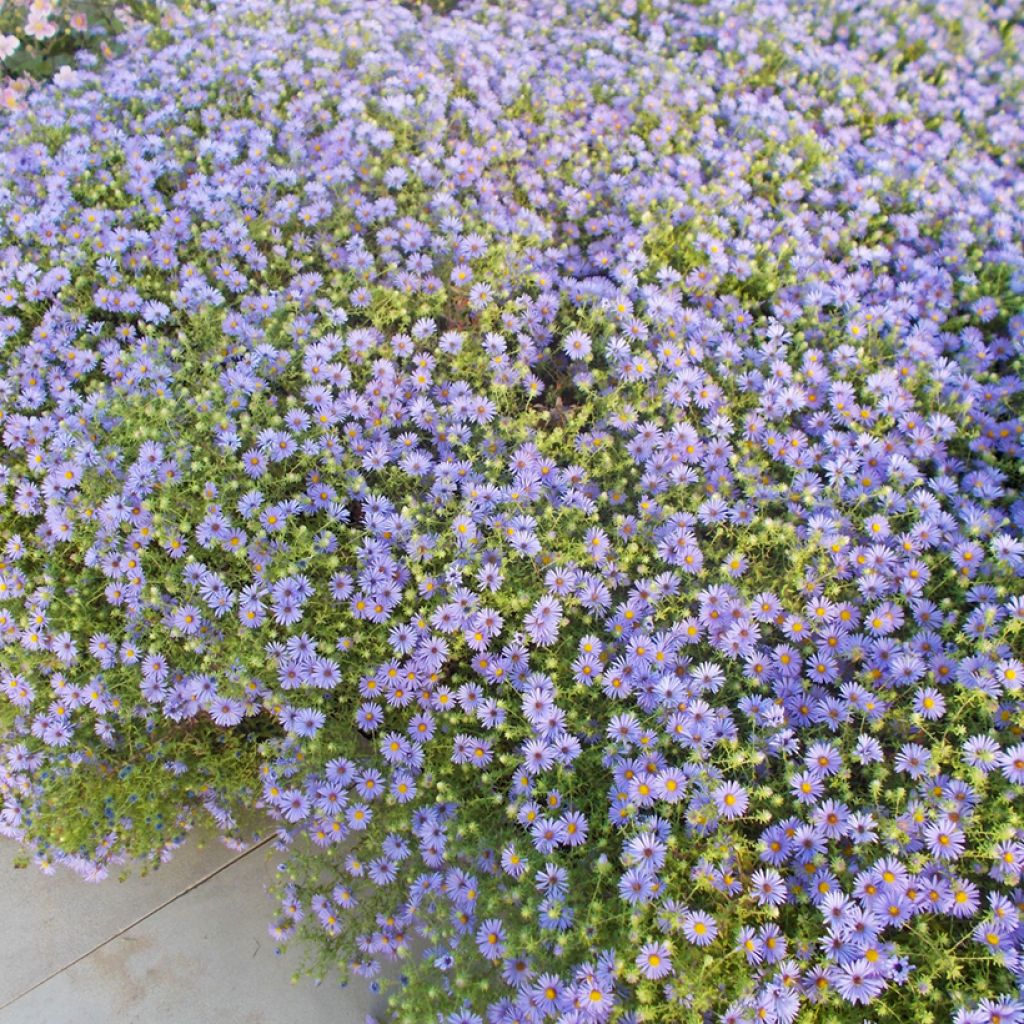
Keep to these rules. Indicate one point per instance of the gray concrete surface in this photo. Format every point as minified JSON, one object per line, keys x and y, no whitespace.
{"x":188,"y":944}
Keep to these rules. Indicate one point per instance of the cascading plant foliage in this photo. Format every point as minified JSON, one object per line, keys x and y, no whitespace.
{"x":562,"y":462}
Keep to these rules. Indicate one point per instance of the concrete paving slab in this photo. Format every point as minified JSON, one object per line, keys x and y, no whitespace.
{"x":203,"y":958}
{"x":48,"y":922}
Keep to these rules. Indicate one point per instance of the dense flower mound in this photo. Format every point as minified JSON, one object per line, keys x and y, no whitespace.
{"x":563,"y":461}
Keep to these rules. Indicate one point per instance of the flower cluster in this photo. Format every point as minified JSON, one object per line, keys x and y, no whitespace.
{"x":37,"y":38}
{"x":563,"y":463}
{"x":40,"y":25}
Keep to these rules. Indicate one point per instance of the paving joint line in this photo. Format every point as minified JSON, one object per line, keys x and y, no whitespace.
{"x":145,"y":917}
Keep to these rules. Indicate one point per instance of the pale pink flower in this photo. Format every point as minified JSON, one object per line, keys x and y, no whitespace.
{"x":9,"y":98}
{"x":39,"y":28}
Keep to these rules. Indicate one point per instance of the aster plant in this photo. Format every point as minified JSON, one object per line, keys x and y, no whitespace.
{"x":562,"y":463}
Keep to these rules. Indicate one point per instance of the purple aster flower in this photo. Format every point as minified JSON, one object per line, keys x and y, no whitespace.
{"x":858,"y":983}
{"x":731,"y":800}
{"x":187,"y":619}
{"x":768,"y":887}
{"x":490,"y":939}
{"x":699,"y":928}
{"x":1012,"y":764}
{"x":543,"y":621}
{"x":225,"y":711}
{"x":654,"y":961}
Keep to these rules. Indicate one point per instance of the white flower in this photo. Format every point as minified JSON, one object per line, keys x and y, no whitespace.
{"x":66,"y":78}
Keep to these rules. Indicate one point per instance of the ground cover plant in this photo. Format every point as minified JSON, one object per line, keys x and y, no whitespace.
{"x":562,"y":462}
